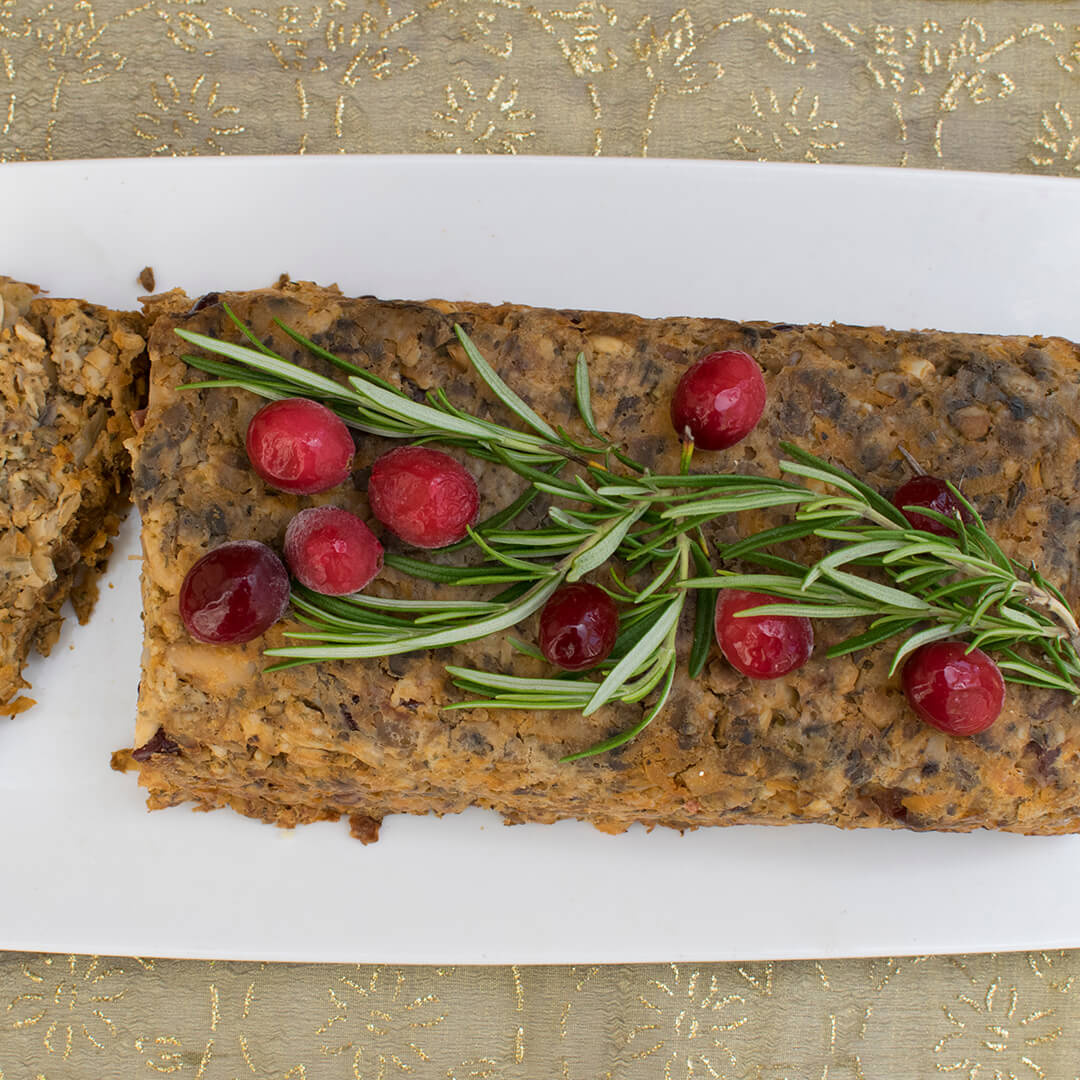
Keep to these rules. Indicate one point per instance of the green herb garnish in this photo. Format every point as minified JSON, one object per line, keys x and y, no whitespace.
{"x":607,"y":508}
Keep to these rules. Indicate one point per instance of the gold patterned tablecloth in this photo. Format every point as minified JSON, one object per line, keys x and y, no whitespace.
{"x":960,"y":84}
{"x":978,"y":1018}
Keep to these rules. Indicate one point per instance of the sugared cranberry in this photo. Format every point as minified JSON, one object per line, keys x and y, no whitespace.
{"x":299,"y":446}
{"x":954,"y":690}
{"x":719,"y":400}
{"x":933,"y":493}
{"x":578,"y":626}
{"x":332,"y":551}
{"x":234,"y":593}
{"x":761,"y":646}
{"x":423,"y":496}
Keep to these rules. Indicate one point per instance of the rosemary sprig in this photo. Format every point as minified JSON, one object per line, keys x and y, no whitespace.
{"x":963,"y":586}
{"x":911,"y":584}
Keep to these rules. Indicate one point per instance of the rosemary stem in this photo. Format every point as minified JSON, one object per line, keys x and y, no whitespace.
{"x":1036,"y":595}
{"x":1033,"y":593}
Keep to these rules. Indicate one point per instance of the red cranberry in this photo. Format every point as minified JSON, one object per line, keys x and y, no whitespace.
{"x":933,"y":493}
{"x":234,"y":593}
{"x":299,"y":446}
{"x":761,"y":646}
{"x":719,"y":400}
{"x":954,"y":690}
{"x":423,"y":496}
{"x":332,"y":551}
{"x":578,"y":626}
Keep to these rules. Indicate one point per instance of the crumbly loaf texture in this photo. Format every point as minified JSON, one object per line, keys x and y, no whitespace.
{"x":832,"y":743}
{"x":71,"y":374}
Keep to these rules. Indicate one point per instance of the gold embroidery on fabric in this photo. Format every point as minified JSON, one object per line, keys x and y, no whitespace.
{"x":376,"y":1008}
{"x":486,"y":120}
{"x":996,"y":1021}
{"x":186,"y":121}
{"x":166,"y":1050}
{"x":690,"y":1022}
{"x":1057,"y":144}
{"x":790,"y":132}
{"x":66,"y":1001}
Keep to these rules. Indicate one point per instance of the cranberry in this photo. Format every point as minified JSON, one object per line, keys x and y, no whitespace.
{"x":933,"y":493}
{"x":332,"y":551}
{"x":761,"y":646}
{"x":299,"y":446}
{"x":423,"y":495}
{"x":578,"y":626}
{"x":719,"y":400}
{"x":954,"y":690}
{"x":234,"y":593}
{"x":158,"y":743}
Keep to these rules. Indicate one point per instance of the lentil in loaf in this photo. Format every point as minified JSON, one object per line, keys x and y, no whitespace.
{"x":71,"y":375}
{"x":833,"y":742}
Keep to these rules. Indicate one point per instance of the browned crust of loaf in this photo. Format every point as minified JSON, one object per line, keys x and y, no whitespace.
{"x":71,"y":373}
{"x":833,"y":743}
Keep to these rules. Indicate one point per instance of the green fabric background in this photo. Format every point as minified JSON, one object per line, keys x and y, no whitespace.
{"x":958,"y":85}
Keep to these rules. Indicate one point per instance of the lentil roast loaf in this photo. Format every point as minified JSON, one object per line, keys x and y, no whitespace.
{"x":833,"y":743}
{"x":71,"y":374}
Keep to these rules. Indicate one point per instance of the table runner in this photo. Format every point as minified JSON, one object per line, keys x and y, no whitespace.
{"x":954,"y":84}
{"x":961,"y":85}
{"x":987,"y":1017}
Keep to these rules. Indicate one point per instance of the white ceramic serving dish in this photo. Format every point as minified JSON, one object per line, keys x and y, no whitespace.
{"x":86,"y":869}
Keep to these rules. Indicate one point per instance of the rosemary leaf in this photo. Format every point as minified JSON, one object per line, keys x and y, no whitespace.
{"x":873,"y":590}
{"x":874,"y":499}
{"x":880,"y":630}
{"x":812,"y":611}
{"x":923,"y":637}
{"x":735,"y":503}
{"x":847,"y":554}
{"x":533,"y":569}
{"x":449,"y":575}
{"x":704,"y":619}
{"x":965,"y":585}
{"x":632,"y":733}
{"x":501,"y":390}
{"x":525,"y":648}
{"x":931,"y":573}
{"x":492,"y":681}
{"x":665,"y":572}
{"x":644,"y":648}
{"x":570,"y":521}
{"x":584,"y":394}
{"x":525,"y":703}
{"x":1014,"y":664}
{"x":249,"y":334}
{"x":337,"y":361}
{"x":316,"y":385}
{"x":532,"y":601}
{"x":243,"y":384}
{"x":604,"y":547}
{"x":427,"y":419}
{"x":782,"y":534}
{"x":990,"y":595}
{"x":643,"y":687}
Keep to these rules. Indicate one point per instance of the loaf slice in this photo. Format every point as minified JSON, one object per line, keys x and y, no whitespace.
{"x":832,"y":743}
{"x":71,"y":375}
